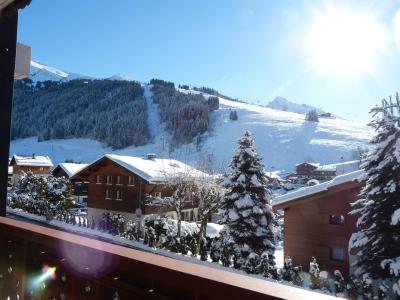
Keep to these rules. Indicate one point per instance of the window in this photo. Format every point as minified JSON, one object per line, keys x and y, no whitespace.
{"x":109,"y":179}
{"x":336,"y":219}
{"x":337,"y":253}
{"x":98,"y":179}
{"x":186,"y":215}
{"x":131,"y":180}
{"x":118,"y":195}
{"x":119,"y":180}
{"x":108,"y":194}
{"x":157,"y":194}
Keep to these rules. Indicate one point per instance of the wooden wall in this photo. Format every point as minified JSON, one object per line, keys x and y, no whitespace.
{"x":34,"y":169}
{"x":308,"y":231}
{"x":133,"y":197}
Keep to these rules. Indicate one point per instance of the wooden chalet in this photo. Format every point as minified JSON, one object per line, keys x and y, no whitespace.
{"x":317,"y":222}
{"x":315,"y":171}
{"x":121,"y":184}
{"x":67,"y":170}
{"x":40,"y":165}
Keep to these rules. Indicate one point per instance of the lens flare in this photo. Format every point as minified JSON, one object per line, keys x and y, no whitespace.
{"x":48,"y":273}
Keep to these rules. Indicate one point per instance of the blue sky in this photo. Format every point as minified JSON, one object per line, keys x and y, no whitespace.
{"x":343,"y":56}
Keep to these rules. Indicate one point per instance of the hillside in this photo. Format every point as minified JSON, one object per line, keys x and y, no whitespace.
{"x":110,"y":111}
{"x":283,"y":138}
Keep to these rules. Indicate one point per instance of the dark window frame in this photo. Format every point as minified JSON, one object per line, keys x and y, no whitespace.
{"x":337,"y":216}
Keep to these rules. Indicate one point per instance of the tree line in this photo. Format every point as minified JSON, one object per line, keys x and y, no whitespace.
{"x":112,"y":112}
{"x":186,"y":115}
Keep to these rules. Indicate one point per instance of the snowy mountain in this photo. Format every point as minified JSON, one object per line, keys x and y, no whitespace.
{"x":283,"y":104}
{"x":119,"y":77}
{"x":41,"y":72}
{"x":284,"y":138}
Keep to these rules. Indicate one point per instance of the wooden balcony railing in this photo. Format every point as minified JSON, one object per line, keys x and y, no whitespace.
{"x":92,"y":269}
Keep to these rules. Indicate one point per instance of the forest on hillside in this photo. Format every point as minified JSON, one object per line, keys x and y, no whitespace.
{"x":186,"y":115}
{"x":109,"y":111}
{"x":112,"y":112}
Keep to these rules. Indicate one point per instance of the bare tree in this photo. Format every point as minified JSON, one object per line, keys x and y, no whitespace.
{"x":184,"y":190}
{"x":209,"y":194}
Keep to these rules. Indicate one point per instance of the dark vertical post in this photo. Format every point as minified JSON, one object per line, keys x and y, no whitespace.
{"x":8,"y":42}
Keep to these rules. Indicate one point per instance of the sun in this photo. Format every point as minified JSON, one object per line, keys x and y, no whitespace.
{"x":342,"y":42}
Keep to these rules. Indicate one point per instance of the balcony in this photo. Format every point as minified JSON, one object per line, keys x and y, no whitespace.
{"x":90,"y":269}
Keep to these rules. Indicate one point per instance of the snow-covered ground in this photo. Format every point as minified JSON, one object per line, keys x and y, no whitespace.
{"x":282,"y":138}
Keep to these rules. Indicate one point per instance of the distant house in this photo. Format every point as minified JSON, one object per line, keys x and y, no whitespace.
{"x":317,"y":222}
{"x":122,"y":183}
{"x":346,"y":166}
{"x":314,"y":171}
{"x":36,"y":164}
{"x":67,"y":170}
{"x":325,"y":115}
{"x":10,"y":174}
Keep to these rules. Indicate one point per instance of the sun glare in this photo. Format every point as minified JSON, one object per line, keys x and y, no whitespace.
{"x":341,"y":42}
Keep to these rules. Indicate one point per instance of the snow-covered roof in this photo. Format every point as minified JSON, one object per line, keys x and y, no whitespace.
{"x":320,"y":167}
{"x":34,"y":160}
{"x":72,"y":168}
{"x":153,"y":170}
{"x":326,"y":168}
{"x":346,"y":167}
{"x":307,"y":191}
{"x":308,"y":163}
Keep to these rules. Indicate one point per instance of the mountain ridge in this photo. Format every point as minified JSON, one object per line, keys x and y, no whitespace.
{"x":283,"y":138}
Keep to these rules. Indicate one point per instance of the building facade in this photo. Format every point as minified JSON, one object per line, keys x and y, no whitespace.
{"x":39,"y":165}
{"x":317,"y":222}
{"x":80,"y":188}
{"x":121,"y":184}
{"x":314,"y":171}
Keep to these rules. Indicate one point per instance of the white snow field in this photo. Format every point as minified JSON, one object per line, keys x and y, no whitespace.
{"x":282,"y":138}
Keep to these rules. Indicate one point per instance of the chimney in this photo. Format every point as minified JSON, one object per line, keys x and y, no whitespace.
{"x":151,"y":156}
{"x":33,"y":155}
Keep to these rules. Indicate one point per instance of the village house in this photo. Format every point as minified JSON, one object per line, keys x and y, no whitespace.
{"x":39,"y":165}
{"x":67,"y":170}
{"x":10,"y":174}
{"x":307,"y":171}
{"x":121,"y":184}
{"x":317,"y":222}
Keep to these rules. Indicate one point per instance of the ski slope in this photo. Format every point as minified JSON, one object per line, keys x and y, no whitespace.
{"x":282,"y":138}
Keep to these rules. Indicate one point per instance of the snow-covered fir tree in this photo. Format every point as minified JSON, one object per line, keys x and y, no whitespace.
{"x":42,"y":195}
{"x":246,"y":208}
{"x":289,"y":272}
{"x":377,"y":241}
{"x":314,"y":274}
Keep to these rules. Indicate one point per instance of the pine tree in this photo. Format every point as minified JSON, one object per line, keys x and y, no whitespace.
{"x":246,"y":208}
{"x":312,"y":116}
{"x":289,"y":272}
{"x":378,"y":240}
{"x":314,"y":274}
{"x":339,"y":282}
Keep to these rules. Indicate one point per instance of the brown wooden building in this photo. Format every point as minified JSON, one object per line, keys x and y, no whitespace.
{"x":317,"y":222}
{"x":67,"y":170}
{"x":40,"y":165}
{"x":122,"y":183}
{"x":315,"y":171}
